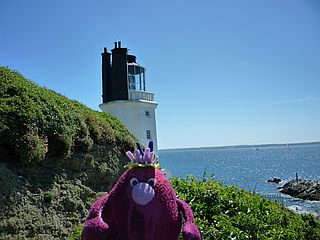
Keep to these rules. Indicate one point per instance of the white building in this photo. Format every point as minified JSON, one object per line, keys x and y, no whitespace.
{"x":124,"y":94}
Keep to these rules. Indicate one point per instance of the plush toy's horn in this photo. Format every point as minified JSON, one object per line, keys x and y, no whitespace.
{"x":151,"y":146}
{"x":143,"y":158}
{"x":140,"y":149}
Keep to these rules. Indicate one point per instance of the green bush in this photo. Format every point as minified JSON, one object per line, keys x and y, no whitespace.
{"x":36,"y":122}
{"x":226,"y":212}
{"x":31,"y":147}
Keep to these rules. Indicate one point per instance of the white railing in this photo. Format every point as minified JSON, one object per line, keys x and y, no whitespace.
{"x":140,"y":95}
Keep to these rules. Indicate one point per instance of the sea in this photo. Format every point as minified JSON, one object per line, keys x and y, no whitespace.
{"x":249,"y":167}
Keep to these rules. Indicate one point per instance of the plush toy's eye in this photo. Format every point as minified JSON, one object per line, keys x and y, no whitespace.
{"x":152,"y":182}
{"x":133,"y":182}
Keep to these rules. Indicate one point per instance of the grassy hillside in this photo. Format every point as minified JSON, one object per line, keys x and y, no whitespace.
{"x":56,"y":156}
{"x":36,"y":122}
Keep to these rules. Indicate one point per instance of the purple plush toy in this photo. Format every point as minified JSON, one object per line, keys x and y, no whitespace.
{"x":141,"y":206}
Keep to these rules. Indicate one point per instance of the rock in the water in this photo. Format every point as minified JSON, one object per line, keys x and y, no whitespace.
{"x":274,"y":180}
{"x":303,"y":189}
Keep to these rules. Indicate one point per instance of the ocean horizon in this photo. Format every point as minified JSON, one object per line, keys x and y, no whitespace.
{"x":243,"y":146}
{"x":249,"y":167}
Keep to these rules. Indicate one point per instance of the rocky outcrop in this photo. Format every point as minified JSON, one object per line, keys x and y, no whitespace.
{"x":303,"y":189}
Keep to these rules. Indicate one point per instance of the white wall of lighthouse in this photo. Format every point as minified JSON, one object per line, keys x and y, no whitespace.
{"x":138,"y":116}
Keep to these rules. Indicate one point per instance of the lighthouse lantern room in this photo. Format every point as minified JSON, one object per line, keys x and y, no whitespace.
{"x":124,"y":94}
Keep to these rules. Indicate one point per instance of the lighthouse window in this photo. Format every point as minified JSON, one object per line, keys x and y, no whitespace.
{"x":136,"y":77}
{"x":148,"y":132}
{"x":147,"y":113}
{"x":132,"y":82}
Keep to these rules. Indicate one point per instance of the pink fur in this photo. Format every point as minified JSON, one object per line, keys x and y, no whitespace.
{"x":117,"y":216}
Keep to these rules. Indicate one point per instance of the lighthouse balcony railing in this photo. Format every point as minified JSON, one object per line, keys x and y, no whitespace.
{"x":140,"y":95}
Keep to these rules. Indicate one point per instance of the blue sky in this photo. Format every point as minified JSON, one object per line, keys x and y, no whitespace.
{"x":224,"y":72}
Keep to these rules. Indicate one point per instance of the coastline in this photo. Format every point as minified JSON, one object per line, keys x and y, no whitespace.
{"x":241,"y":146}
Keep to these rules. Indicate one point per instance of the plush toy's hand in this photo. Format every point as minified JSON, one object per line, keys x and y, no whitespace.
{"x":190,"y":232}
{"x":189,"y":228}
{"x":95,"y":228}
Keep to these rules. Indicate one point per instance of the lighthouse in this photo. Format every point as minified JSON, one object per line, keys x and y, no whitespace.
{"x":124,"y":94}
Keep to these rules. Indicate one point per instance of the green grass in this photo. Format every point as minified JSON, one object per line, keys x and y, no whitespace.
{"x":224,"y":212}
{"x":36,"y":122}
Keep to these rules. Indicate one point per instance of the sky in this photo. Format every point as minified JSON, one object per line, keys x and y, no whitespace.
{"x":225,"y":72}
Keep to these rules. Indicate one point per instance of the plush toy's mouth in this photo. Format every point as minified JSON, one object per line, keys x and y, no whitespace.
{"x":142,"y":193}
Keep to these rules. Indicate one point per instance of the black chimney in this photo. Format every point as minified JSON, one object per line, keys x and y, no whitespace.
{"x":115,"y":74}
{"x":106,"y":76}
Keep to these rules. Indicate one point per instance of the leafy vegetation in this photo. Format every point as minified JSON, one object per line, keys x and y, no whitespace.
{"x":76,"y":233}
{"x":36,"y":122}
{"x":226,"y":212}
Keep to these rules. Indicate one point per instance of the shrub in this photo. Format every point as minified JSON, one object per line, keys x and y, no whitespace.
{"x":31,"y":147}
{"x":226,"y":212}
{"x":36,"y":122}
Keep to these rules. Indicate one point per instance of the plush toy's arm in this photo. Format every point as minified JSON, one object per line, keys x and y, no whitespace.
{"x":94,"y":227}
{"x":189,"y":228}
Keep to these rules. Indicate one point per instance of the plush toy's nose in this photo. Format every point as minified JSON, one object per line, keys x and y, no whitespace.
{"x":142,"y":193}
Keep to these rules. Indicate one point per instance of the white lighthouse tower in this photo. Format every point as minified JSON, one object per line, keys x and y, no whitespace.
{"x":124,"y":94}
